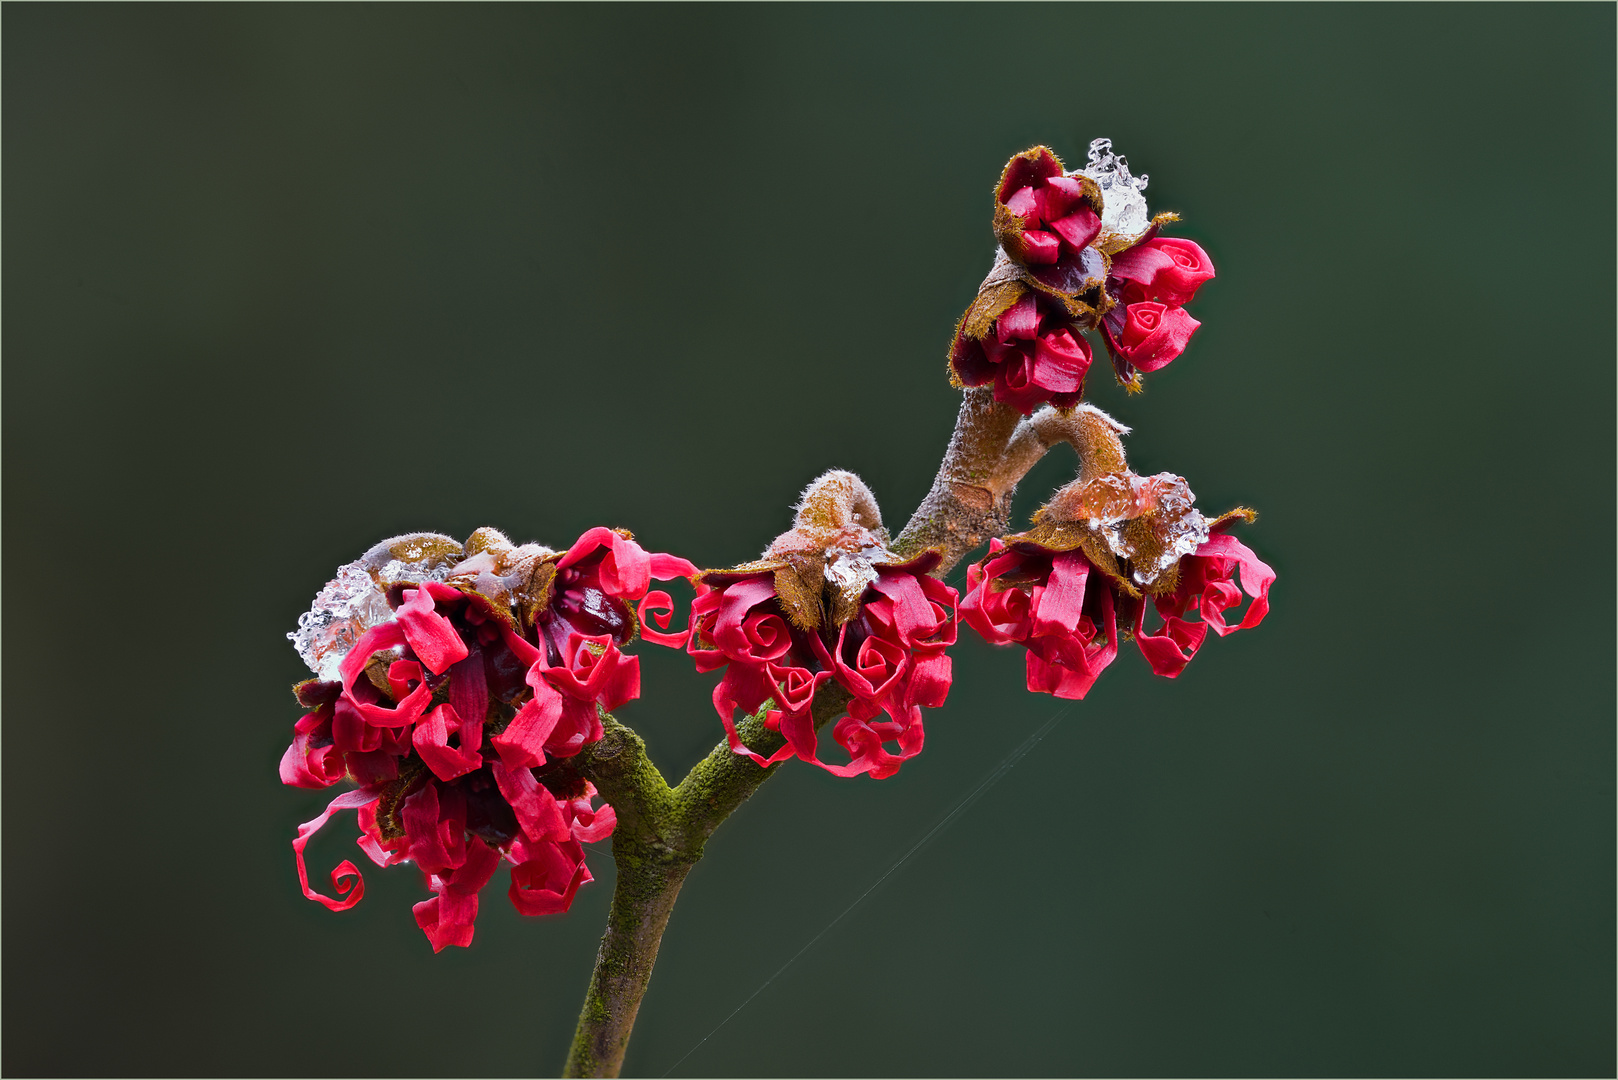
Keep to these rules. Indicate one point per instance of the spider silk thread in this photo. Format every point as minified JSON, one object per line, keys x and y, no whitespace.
{"x":976,"y":793}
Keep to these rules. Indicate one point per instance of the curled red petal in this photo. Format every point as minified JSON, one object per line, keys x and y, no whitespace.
{"x":481,"y":863}
{"x":431,"y":740}
{"x":1059,"y":603}
{"x":1167,"y":269}
{"x":794,"y":688}
{"x":744,"y":686}
{"x":579,"y":724}
{"x":735,"y":602}
{"x":469,"y":688}
{"x":624,"y":570}
{"x":1067,"y":665}
{"x":657,"y":601}
{"x":1256,"y":576}
{"x":1140,"y":266}
{"x":447,"y":919}
{"x":1026,"y":202}
{"x":1019,"y":322}
{"x":311,"y":767}
{"x":1153,"y":334}
{"x":431,"y":636}
{"x":1039,"y":247}
{"x":447,"y":923}
{"x":346,"y":879}
{"x":379,"y":639}
{"x":725,"y":705}
{"x":1000,"y":615}
{"x":1079,"y":227}
{"x":878,"y":666}
{"x":1061,"y":361}
{"x":538,"y":813}
{"x":1171,"y":649}
{"x":668,"y":567}
{"x":930,"y":680}
{"x":594,"y":669}
{"x":435,"y":822}
{"x":799,"y":731}
{"x":864,"y":741}
{"x":923,"y":609}
{"x":1062,"y":194}
{"x":522,"y":743}
{"x":545,"y":881}
{"x":596,"y":825}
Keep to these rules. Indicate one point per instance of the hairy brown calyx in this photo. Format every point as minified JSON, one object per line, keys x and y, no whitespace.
{"x":822,"y":565}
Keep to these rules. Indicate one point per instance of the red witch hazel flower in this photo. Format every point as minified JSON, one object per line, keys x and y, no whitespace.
{"x":1078,"y":253}
{"x":1046,"y":218}
{"x":451,"y":680}
{"x":1150,"y":278}
{"x":1105,"y":548}
{"x":1033,"y":353}
{"x":829,"y":603}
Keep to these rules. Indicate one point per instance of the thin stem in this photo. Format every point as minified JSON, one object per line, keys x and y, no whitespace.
{"x":642,"y":901}
{"x":660,"y":835}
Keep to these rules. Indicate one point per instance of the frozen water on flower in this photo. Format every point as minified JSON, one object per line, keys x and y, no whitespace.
{"x":1181,"y":537}
{"x":410,"y":572}
{"x":1177,"y":526}
{"x":1109,"y":498}
{"x":1164,"y":503}
{"x":349,"y":604}
{"x":849,"y":572}
{"x":1123,"y":207}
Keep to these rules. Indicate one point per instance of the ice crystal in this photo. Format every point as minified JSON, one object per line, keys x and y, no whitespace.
{"x":1180,"y":529}
{"x":347,"y":606}
{"x":1123,"y":207}
{"x":412,"y":573}
{"x":1161,"y":537}
{"x":851,"y":572}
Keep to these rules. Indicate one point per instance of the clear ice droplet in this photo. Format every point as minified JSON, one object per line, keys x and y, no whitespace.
{"x":1123,"y":207}
{"x":347,"y":606}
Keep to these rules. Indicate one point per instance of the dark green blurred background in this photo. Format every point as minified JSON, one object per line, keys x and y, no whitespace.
{"x":280,"y":281}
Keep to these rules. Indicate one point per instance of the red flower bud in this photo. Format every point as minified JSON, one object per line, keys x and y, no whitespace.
{"x":1163,"y":268}
{"x":1147,"y":334}
{"x":1046,"y":220}
{"x":1033,"y":354}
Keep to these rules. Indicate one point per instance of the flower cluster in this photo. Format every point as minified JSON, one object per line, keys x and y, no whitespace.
{"x":1146,"y":325}
{"x":1107,"y":547}
{"x":1077,"y":253}
{"x":463,"y":675}
{"x":456,"y":684}
{"x":829,"y":603}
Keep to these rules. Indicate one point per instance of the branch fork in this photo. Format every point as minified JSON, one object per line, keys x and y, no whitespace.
{"x":662,"y":831}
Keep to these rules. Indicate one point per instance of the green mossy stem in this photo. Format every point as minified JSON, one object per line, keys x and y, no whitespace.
{"x":662,"y":831}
